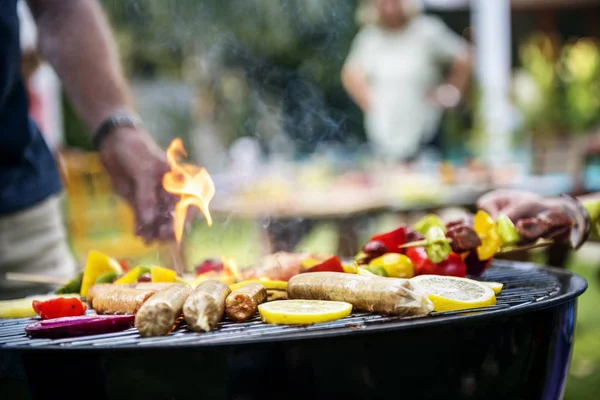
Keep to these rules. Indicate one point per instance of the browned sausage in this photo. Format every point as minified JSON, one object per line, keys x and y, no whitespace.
{"x":120,"y":300}
{"x":158,"y":315}
{"x":391,"y":296}
{"x":242,"y":303}
{"x":204,"y":308}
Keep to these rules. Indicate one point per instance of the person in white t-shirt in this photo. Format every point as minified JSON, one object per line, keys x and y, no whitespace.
{"x":394,"y":72}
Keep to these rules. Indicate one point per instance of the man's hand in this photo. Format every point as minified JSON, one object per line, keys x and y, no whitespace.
{"x":514,"y":204}
{"x":136,"y":166}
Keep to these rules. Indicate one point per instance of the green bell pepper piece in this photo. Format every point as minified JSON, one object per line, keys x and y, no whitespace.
{"x":437,"y":248}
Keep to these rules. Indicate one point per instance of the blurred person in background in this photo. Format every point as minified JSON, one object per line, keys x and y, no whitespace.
{"x":75,"y":38}
{"x":394,"y":73}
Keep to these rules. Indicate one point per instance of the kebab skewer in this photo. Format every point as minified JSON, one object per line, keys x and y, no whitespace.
{"x":477,"y":239}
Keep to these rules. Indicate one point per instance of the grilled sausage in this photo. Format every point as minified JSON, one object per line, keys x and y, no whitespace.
{"x":120,"y":300}
{"x":390,"y":296}
{"x":204,"y":308}
{"x":242,"y":303}
{"x":158,"y":315}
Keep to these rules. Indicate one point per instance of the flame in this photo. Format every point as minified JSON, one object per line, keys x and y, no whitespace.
{"x":192,"y":183}
{"x":230,"y":268}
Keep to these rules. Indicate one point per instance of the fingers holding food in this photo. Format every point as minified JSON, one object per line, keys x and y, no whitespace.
{"x":205,"y":307}
{"x":242,"y":303}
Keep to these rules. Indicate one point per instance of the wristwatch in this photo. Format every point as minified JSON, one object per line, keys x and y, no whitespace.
{"x":111,"y":123}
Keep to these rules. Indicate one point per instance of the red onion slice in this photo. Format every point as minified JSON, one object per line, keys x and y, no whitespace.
{"x":79,"y":326}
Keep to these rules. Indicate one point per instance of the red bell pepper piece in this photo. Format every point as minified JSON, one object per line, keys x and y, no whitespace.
{"x":392,"y":239}
{"x":209,"y":265}
{"x":333,"y":264}
{"x":453,"y":265}
{"x":59,"y":307}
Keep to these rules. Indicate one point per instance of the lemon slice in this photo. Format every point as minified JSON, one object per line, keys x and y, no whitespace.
{"x":449,"y":293}
{"x":495,"y":286}
{"x":303,"y":312}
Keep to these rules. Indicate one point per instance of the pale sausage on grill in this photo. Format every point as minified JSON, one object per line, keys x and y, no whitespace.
{"x":119,"y":300}
{"x":392,"y":296}
{"x":204,"y":308}
{"x":242,"y":303}
{"x":159,"y":314}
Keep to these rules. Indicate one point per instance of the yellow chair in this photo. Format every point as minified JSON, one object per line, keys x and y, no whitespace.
{"x":96,"y":218}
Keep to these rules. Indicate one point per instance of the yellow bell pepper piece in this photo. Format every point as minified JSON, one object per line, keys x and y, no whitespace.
{"x":97,"y":264}
{"x":267,"y":283}
{"x":160,"y":274}
{"x":309,"y":263}
{"x":485,"y":227}
{"x":350,"y":269}
{"x":395,"y":265}
{"x":132,"y":276}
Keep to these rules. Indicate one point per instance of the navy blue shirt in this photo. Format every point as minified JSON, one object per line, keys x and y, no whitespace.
{"x":28,"y":172}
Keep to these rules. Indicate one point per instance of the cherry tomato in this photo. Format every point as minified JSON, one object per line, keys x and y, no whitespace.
{"x":453,"y":265}
{"x":59,"y":307}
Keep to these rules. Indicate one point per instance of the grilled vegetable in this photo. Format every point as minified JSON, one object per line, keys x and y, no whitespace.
{"x":205,"y":307}
{"x":267,"y":283}
{"x":79,"y":326}
{"x":392,"y":239}
{"x":485,"y":227}
{"x":437,"y":247}
{"x":375,"y":248}
{"x":59,"y":307}
{"x":453,"y":265}
{"x":242,"y":303}
{"x":97,"y":264}
{"x":160,"y":274}
{"x":507,"y":230}
{"x":132,"y":276}
{"x":23,"y":308}
{"x":395,"y":265}
{"x":333,"y":264}
{"x":367,"y":293}
{"x":475,"y":266}
{"x":73,"y":286}
{"x":158,"y":315}
{"x":209,"y":265}
{"x":108,"y":277}
{"x":273,"y":295}
{"x":426,"y":223}
{"x":120,"y":300}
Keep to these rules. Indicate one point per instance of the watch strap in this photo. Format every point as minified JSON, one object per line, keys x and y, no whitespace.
{"x":111,"y":123}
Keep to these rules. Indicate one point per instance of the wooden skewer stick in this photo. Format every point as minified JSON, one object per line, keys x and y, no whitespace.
{"x":33,"y":278}
{"x":511,"y":249}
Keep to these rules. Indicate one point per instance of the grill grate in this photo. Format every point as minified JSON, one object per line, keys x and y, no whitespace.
{"x":522,"y":286}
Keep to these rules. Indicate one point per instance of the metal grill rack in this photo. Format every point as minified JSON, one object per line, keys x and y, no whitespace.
{"x":522,"y":287}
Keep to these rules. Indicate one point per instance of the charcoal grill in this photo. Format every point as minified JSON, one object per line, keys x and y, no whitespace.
{"x":518,"y":349}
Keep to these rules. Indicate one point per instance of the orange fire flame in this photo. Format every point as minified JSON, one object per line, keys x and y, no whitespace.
{"x":192,"y":183}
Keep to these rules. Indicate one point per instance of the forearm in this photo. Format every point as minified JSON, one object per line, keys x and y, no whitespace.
{"x":356,"y":84}
{"x":75,"y":38}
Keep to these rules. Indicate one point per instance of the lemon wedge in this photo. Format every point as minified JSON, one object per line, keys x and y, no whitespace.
{"x":303,"y":312}
{"x":495,"y":286}
{"x":449,"y":293}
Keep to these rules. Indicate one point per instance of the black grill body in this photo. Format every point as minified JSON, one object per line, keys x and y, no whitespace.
{"x":519,"y":349}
